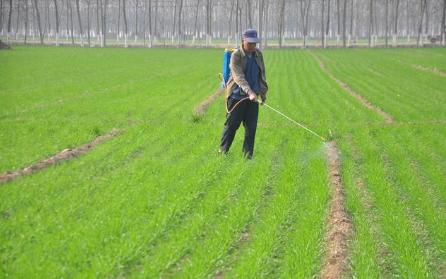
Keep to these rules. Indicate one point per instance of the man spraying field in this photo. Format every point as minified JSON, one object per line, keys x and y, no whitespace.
{"x":247,"y":82}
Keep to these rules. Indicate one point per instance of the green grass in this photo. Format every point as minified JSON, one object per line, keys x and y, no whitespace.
{"x":159,"y":201}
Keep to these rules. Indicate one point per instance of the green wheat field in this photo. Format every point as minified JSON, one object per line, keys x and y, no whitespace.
{"x":158,"y":200}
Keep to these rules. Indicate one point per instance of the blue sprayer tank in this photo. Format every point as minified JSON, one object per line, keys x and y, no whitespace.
{"x":226,"y":71}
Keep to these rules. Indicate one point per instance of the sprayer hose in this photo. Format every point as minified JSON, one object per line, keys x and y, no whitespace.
{"x":236,"y":105}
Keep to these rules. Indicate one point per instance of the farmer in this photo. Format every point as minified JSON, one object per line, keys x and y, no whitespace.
{"x":246,"y":84}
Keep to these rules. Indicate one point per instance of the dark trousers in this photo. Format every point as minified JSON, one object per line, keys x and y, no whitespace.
{"x":246,"y":112}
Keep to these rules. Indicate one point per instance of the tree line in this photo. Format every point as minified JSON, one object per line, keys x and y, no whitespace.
{"x":210,"y":22}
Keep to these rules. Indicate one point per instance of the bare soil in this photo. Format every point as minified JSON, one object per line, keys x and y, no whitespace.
{"x":65,"y":154}
{"x":201,"y":109}
{"x":339,"y":223}
{"x":432,"y":70}
{"x":389,"y":119}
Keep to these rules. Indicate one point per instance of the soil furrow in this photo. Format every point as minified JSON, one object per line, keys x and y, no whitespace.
{"x":360,"y":98}
{"x":339,"y":223}
{"x":431,"y":70}
{"x":65,"y":154}
{"x":201,"y":109}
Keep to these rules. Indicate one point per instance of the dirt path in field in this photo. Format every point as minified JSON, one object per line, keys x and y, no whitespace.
{"x":346,"y":87}
{"x":427,"y":69}
{"x":339,"y":223}
{"x":65,"y":154}
{"x":201,"y":109}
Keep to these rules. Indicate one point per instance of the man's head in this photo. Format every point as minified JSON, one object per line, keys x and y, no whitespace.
{"x":249,"y":40}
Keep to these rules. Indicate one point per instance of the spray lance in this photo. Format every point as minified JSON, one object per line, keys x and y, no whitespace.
{"x":278,"y":112}
{"x":292,"y":120}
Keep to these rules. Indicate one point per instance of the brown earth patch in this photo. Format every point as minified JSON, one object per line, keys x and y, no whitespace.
{"x":65,"y":154}
{"x":427,"y":69}
{"x":201,"y":109}
{"x":339,"y":223}
{"x":360,"y":98}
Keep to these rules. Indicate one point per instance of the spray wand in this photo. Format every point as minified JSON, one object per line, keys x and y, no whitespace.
{"x":277,"y":111}
{"x":292,"y":120}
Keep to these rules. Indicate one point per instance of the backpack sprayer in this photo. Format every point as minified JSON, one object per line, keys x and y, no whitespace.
{"x":225,"y":78}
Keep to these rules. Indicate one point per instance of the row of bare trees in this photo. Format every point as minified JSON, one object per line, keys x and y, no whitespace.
{"x":182,"y":22}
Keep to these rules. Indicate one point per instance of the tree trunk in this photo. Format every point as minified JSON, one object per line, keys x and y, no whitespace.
{"x":180,"y":32}
{"x":88,"y":23}
{"x":17,"y":20}
{"x":420,"y":24}
{"x":67,"y":16}
{"x":301,"y":9}
{"x":307,"y":23}
{"x":39,"y":25}
{"x":426,"y":10}
{"x":1,"y":17}
{"x":80,"y":22}
{"x":70,"y":11}
{"x":395,"y":24}
{"x":407,"y":20}
{"x":48,"y":19}
{"x":26,"y":20}
{"x":119,"y":21}
{"x":281,"y":22}
{"x":260,"y":27}
{"x":443,"y":24}
{"x":9,"y":21}
{"x":231,"y":16}
{"x":97,"y":21}
{"x":327,"y":29}
{"x":150,"y":24}
{"x":352,"y":15}
{"x":237,"y":24}
{"x":196,"y":22}
{"x":370,"y":23}
{"x":57,"y":22}
{"x":174,"y":26}
{"x":338,"y":15}
{"x":322,"y":24}
{"x":208,"y":23}
{"x":387,"y":23}
{"x":266,"y":24}
{"x":304,"y":10}
{"x":344,"y":23}
{"x":124,"y":15}
{"x":33,"y":21}
{"x":136,"y":20}
{"x":155,"y":20}
{"x":144,"y":23}
{"x":248,"y":2}
{"x":104,"y":24}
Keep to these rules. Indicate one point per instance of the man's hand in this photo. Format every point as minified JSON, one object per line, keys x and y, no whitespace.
{"x":252,"y":96}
